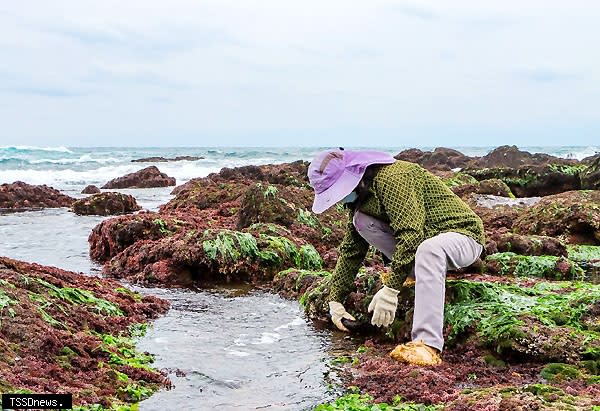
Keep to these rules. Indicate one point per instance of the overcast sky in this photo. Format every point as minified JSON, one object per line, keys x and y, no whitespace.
{"x":277,"y":72}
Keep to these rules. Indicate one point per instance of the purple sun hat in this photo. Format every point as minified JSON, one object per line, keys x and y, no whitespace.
{"x":333,"y":174}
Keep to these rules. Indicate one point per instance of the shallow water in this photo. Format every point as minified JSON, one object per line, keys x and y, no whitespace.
{"x":228,"y":348}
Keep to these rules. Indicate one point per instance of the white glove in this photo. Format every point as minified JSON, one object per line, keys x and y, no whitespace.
{"x":383,"y":305}
{"x":338,"y":312}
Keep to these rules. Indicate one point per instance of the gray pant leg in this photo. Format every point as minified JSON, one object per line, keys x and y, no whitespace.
{"x":376,"y":232}
{"x":433,"y":258}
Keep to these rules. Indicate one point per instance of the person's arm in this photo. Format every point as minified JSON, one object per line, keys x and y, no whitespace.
{"x":352,"y":252}
{"x":401,"y":195}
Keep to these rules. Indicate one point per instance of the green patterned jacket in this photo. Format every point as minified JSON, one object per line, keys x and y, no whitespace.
{"x":418,"y":206}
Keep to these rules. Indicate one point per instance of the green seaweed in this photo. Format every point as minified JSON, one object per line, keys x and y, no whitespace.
{"x":230,"y":245}
{"x":307,"y":218}
{"x":542,"y":266}
{"x":355,"y":401}
{"x":496,"y":311}
{"x":78,"y":296}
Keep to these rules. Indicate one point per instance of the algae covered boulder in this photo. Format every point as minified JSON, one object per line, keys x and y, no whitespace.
{"x":20,"y":195}
{"x":65,"y":332}
{"x":193,"y":258}
{"x":107,"y":203}
{"x":144,"y":178}
{"x":590,"y":177}
{"x":573,"y":216}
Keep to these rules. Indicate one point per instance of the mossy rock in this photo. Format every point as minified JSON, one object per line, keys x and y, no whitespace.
{"x":559,"y":372}
{"x":573,"y":217}
{"x":549,"y":267}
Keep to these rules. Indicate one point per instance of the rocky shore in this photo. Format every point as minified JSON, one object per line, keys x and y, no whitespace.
{"x":522,"y":324}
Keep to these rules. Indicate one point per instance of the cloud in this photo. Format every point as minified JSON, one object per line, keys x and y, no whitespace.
{"x":418,"y":12}
{"x":43,"y":91}
{"x":541,"y":75}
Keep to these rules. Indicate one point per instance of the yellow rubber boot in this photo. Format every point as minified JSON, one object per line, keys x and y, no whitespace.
{"x":416,"y":353}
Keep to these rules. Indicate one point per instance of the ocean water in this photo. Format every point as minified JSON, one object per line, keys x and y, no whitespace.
{"x":226,"y":349}
{"x":71,"y":168}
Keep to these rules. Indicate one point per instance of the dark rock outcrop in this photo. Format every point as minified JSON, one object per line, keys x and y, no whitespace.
{"x":108,"y":203}
{"x":511,"y":156}
{"x":91,"y":189}
{"x":439,"y":159}
{"x":145,"y":178}
{"x":164,"y":160}
{"x":590,"y":177}
{"x":572,"y":216}
{"x":533,"y":180}
{"x":20,"y":195}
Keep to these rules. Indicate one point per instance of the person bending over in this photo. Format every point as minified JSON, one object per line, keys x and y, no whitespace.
{"x":415,"y":220}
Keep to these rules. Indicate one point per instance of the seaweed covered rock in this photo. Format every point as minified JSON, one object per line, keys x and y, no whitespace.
{"x":107,"y":203}
{"x":533,"y":180}
{"x":20,"y":195}
{"x":262,"y":204}
{"x":193,"y":257}
{"x":512,"y":157}
{"x":113,"y":235}
{"x":441,"y":158}
{"x":590,"y":177}
{"x":573,"y":217}
{"x":539,"y":266}
{"x":502,"y":240}
{"x":65,"y":332}
{"x":144,"y":178}
{"x":463,"y":185}
{"x":225,"y":189}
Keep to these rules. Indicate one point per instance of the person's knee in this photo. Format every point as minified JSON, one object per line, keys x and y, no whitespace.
{"x":429,"y":249}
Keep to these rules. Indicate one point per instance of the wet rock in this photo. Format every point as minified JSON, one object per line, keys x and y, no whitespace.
{"x":573,"y":217}
{"x":20,"y":195}
{"x":145,"y":178}
{"x":590,"y":177}
{"x":512,"y":157}
{"x":164,"y":160}
{"x":540,"y":266}
{"x":505,"y":241}
{"x":440,"y":158}
{"x":113,"y":235}
{"x":91,"y":189}
{"x":495,"y":187}
{"x":533,"y":180}
{"x":107,"y":203}
{"x":72,"y":333}
{"x":224,"y":189}
{"x":192,"y":257}
{"x":265,"y":204}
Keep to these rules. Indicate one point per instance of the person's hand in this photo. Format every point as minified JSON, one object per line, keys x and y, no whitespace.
{"x":338,"y":312}
{"x":383,"y":305}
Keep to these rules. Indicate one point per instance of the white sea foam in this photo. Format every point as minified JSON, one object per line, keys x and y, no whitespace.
{"x":35,"y":148}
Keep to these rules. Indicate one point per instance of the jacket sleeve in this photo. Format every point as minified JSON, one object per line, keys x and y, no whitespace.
{"x":352,"y":252}
{"x":401,"y":195}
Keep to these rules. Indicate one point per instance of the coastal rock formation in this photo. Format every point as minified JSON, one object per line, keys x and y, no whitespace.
{"x":91,"y":189}
{"x":65,"y":332}
{"x":573,"y":217}
{"x":107,"y":203}
{"x":145,"y":178}
{"x":439,"y":159}
{"x":20,"y":195}
{"x":164,"y":160}
{"x":512,"y":157}
{"x":590,"y":177}
{"x":505,"y":314}
{"x":113,"y":235}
